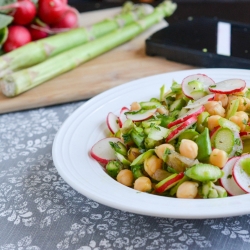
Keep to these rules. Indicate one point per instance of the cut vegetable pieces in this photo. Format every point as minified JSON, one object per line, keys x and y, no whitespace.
{"x":169,"y":182}
{"x":225,"y":123}
{"x":191,"y":113}
{"x":112,"y":122}
{"x":200,"y":102}
{"x":241,"y":173}
{"x":140,"y":115}
{"x":227,"y":180}
{"x":204,"y":172}
{"x":223,"y":139}
{"x":196,"y":86}
{"x":122,"y":117}
{"x":181,"y":128}
{"x":102,"y":151}
{"x":229,"y":86}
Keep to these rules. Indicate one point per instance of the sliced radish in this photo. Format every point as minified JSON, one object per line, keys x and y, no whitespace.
{"x":240,"y":176}
{"x":229,"y":86}
{"x":168,"y":182}
{"x":122,"y":117}
{"x":182,"y":127}
{"x":200,"y":101}
{"x":227,"y":180}
{"x":140,"y":115}
{"x":112,"y":122}
{"x":102,"y":151}
{"x":188,"y":90}
{"x":191,"y":113}
{"x":238,"y":144}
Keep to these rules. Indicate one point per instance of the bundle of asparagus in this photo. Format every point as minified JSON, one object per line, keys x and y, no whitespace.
{"x":38,"y":51}
{"x":23,"y":80}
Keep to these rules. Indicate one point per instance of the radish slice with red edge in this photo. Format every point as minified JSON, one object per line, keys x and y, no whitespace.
{"x":191,"y":113}
{"x":122,"y":117}
{"x":227,"y":181}
{"x":200,"y":101}
{"x":182,"y":127}
{"x":240,"y":176}
{"x":141,"y":115}
{"x":229,"y":86}
{"x":102,"y":151}
{"x":203,"y":79}
{"x":112,"y":122}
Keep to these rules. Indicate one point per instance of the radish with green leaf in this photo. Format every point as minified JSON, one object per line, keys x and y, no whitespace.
{"x":17,"y":37}
{"x":23,"y":11}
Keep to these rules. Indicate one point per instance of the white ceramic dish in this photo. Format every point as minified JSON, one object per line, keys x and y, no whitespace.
{"x":87,"y":125}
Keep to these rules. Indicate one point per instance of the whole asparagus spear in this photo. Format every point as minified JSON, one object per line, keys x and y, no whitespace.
{"x":38,"y":51}
{"x":20,"y":81}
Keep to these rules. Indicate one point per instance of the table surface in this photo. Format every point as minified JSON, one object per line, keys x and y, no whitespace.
{"x":39,"y":211}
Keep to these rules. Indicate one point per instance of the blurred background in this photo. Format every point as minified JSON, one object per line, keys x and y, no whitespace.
{"x":235,"y":10}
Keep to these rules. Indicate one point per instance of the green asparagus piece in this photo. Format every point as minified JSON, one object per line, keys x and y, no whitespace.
{"x":15,"y":83}
{"x":38,"y":51}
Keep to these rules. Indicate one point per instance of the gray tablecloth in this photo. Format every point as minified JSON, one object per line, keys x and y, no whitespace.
{"x":38,"y":210}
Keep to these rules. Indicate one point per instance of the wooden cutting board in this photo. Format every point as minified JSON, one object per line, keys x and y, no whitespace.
{"x":123,"y":64}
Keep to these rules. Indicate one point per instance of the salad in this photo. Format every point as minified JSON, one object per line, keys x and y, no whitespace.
{"x":192,"y":141}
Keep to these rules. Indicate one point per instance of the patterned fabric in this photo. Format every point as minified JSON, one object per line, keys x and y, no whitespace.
{"x":39,"y":211}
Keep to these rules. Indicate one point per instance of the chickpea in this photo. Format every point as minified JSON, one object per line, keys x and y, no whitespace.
{"x":143,"y":184}
{"x":244,"y":103}
{"x":162,"y":110}
{"x":213,"y":122}
{"x":218,"y":158}
{"x":125,"y":177}
{"x":187,"y":190}
{"x":241,"y":119}
{"x":151,"y":164}
{"x":188,"y":148}
{"x":135,"y":106}
{"x":161,"y":149}
{"x":243,"y":115}
{"x":133,"y":153}
{"x":221,"y":98}
{"x":214,"y":108}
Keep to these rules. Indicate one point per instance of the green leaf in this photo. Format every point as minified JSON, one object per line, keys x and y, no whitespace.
{"x":3,"y":35}
{"x":5,"y":20}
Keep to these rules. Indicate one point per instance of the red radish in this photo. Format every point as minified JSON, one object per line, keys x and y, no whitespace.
{"x":227,"y":180}
{"x":203,"y":79}
{"x":169,"y":182}
{"x":240,"y":176}
{"x":17,"y":37}
{"x":182,"y":127}
{"x":112,"y":122}
{"x":102,"y":151}
{"x":24,"y":11}
{"x":51,"y":11}
{"x":140,"y":115}
{"x":68,"y":20}
{"x":37,"y":32}
{"x":122,"y":116}
{"x":191,"y":113}
{"x":229,"y":86}
{"x":200,"y":101}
